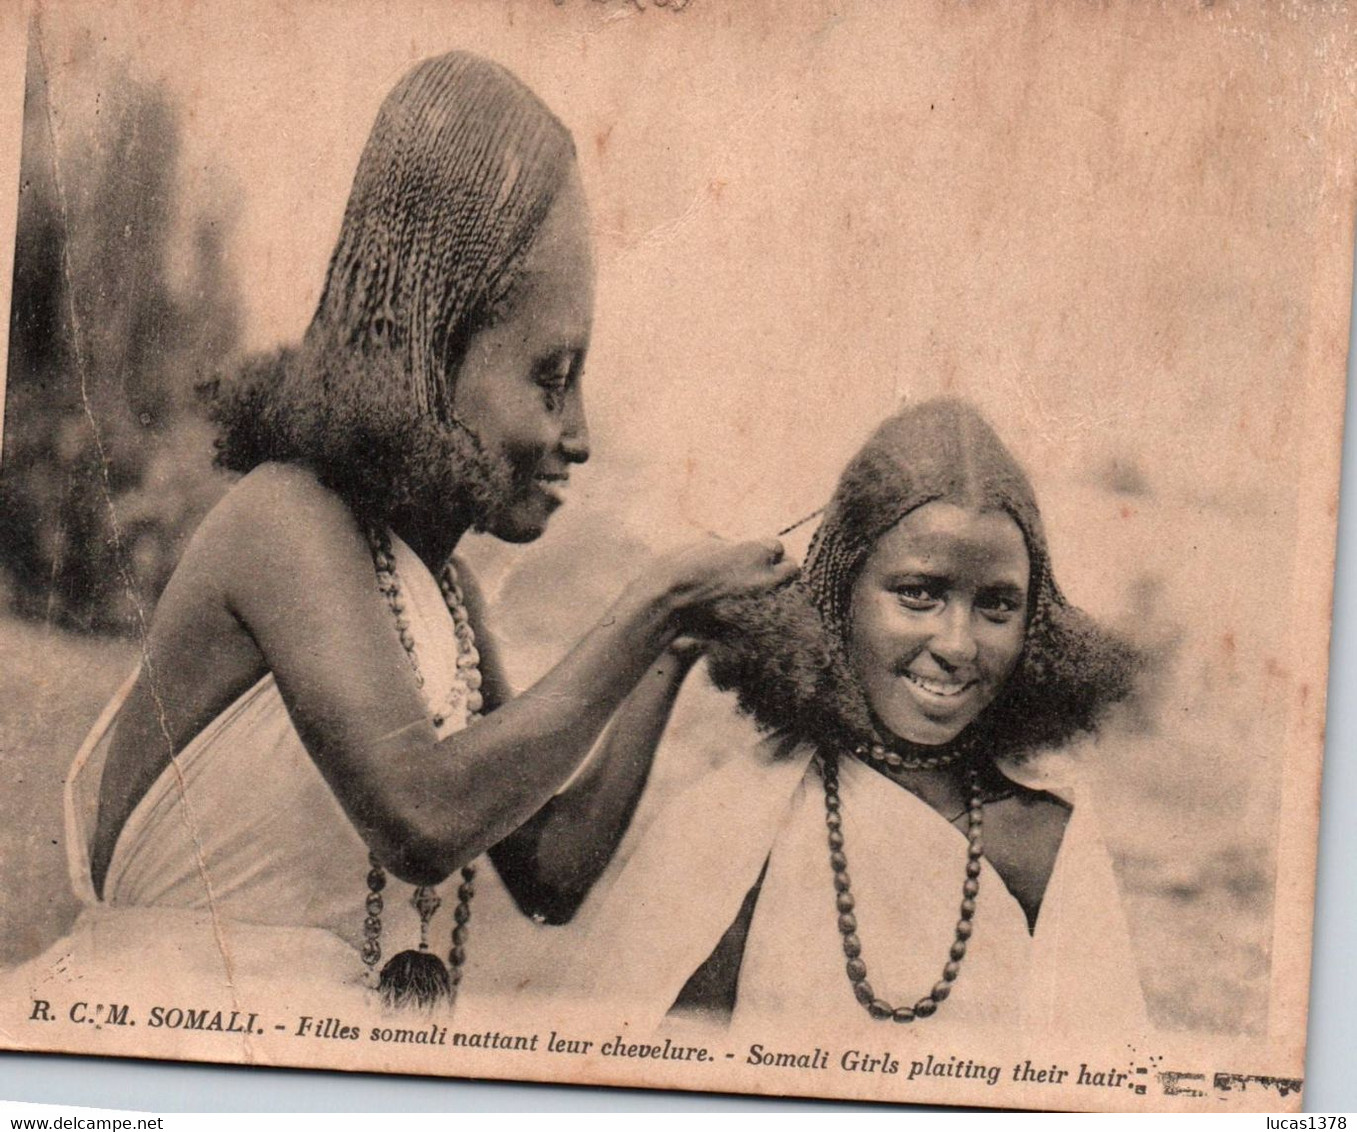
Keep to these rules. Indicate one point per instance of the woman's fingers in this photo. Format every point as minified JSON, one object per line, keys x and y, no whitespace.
{"x":764,"y":566}
{"x":709,"y":571}
{"x":777,"y":563}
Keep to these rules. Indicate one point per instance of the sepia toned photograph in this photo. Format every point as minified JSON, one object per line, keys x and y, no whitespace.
{"x":691,"y":545}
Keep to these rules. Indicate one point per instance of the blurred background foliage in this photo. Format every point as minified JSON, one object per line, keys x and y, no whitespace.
{"x":107,"y":458}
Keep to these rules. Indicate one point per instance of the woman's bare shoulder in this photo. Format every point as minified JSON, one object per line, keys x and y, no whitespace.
{"x":276,"y":512}
{"x":274,"y":498}
{"x":277,"y":538}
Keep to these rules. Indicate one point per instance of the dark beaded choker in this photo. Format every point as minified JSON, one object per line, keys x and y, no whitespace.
{"x":879,"y":1008}
{"x":893,"y":760}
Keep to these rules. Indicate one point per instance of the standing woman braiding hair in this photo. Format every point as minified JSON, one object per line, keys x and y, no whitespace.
{"x":320,"y":733}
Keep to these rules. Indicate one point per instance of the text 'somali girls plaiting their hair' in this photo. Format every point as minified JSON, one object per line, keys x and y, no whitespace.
{"x":320,"y":732}
{"x":897,"y":849}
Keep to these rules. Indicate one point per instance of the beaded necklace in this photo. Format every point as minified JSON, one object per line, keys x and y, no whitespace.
{"x":879,"y":1008}
{"x":420,"y":977}
{"x":893,"y":760}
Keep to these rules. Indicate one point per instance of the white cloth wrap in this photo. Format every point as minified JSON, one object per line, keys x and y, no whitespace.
{"x":239,"y":869}
{"x":651,"y":924}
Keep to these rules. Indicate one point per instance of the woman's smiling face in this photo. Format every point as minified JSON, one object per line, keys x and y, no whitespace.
{"x":938,"y":618}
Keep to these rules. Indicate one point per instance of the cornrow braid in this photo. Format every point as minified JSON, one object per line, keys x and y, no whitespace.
{"x":459,"y":172}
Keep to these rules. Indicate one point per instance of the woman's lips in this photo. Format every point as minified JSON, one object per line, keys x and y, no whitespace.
{"x":941,"y":689}
{"x":552,"y":486}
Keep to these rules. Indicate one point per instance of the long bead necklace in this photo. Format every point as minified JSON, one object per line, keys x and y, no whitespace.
{"x":419,"y":977}
{"x":877,"y":1007}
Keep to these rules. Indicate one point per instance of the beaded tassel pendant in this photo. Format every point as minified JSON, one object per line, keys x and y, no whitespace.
{"x":417,"y":977}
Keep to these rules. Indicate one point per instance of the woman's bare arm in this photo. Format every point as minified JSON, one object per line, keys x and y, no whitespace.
{"x":550,"y":863}
{"x":299,"y":577}
{"x":553,"y":860}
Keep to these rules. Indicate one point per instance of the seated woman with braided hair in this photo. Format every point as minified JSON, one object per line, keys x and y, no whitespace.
{"x":320,"y":733}
{"x":901,"y":848}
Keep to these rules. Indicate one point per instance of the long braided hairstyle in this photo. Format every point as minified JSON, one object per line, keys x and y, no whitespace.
{"x":784,"y":655}
{"x":458,"y":175}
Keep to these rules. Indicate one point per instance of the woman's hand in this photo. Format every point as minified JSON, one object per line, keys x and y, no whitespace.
{"x":697,"y":575}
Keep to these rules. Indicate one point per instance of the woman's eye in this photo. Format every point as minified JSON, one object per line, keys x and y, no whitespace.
{"x":554,"y":381}
{"x":999,"y":607}
{"x":914,"y":595}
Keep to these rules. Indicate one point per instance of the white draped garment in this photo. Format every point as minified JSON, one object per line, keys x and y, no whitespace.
{"x":238,"y":879}
{"x":652,"y":923}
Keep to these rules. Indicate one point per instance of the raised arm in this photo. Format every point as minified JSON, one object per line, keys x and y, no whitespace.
{"x":301,"y":582}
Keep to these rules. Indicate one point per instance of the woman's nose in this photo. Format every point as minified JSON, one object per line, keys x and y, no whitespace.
{"x":954,"y":642}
